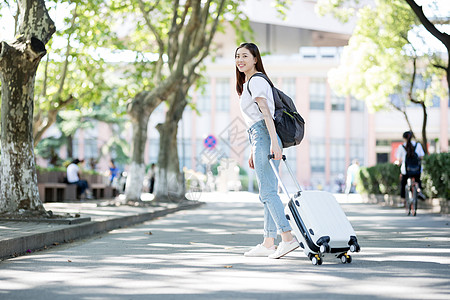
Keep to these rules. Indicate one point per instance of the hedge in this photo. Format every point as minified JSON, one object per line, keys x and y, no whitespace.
{"x":385,"y":178}
{"x":379,"y":179}
{"x":435,"y":176}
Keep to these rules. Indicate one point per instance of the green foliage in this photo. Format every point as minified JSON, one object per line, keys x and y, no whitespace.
{"x":74,"y":73}
{"x":378,"y":62}
{"x":48,"y":149}
{"x":51,"y":169}
{"x":385,"y":178}
{"x":342,"y":10}
{"x":379,"y":179}
{"x":436,"y":175}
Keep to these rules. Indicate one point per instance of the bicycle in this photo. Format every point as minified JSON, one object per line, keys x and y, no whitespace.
{"x":411,"y":196}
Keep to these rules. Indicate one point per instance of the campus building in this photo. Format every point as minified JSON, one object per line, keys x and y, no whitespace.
{"x":299,"y":53}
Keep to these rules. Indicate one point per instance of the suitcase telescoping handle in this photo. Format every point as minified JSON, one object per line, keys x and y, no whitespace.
{"x":271,"y":157}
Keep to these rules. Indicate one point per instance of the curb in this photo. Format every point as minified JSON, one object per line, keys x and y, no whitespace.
{"x":19,"y":246}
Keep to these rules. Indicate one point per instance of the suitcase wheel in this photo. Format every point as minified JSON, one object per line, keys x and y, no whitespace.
{"x":355,"y":247}
{"x":316,"y":260}
{"x":345,"y":258}
{"x":325,"y":248}
{"x":287,"y":217}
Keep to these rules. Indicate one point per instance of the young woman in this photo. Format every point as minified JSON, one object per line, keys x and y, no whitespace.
{"x":407,"y":149}
{"x":258,"y":112}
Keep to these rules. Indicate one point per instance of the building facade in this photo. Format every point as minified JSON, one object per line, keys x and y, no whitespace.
{"x":298,"y":54}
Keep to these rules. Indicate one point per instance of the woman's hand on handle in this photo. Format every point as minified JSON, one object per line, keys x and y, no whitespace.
{"x":276,"y":150}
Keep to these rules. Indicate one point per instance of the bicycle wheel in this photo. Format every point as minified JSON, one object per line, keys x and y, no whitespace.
{"x":414,"y":200}
{"x":408,"y":197}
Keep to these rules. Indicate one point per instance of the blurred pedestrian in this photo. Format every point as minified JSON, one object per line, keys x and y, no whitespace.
{"x":152,"y":175}
{"x":352,"y":172}
{"x":113,"y":171}
{"x":73,"y":177}
{"x":409,"y":155}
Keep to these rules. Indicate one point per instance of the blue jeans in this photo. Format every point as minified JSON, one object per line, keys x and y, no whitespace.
{"x":274,"y":217}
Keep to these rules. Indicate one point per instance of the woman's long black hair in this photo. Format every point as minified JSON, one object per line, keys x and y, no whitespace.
{"x":408,"y":135}
{"x":240,"y":76}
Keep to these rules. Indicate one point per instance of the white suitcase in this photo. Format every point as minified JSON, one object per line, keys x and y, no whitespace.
{"x":319,"y":223}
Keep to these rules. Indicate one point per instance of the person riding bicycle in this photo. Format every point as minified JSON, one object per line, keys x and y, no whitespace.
{"x":409,"y":156}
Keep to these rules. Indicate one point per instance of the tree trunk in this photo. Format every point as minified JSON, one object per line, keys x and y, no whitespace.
{"x":18,"y":65}
{"x":424,"y":128}
{"x":18,"y":174}
{"x":169,"y":182}
{"x":139,"y":112}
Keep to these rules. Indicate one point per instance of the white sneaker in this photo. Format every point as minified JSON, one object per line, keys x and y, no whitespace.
{"x":260,"y":250}
{"x":284,"y":248}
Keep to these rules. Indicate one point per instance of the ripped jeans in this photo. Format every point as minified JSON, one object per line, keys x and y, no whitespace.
{"x":274,"y":217}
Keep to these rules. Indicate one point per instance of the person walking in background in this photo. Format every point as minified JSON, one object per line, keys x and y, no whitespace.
{"x":409,"y":156}
{"x":352,"y":172}
{"x":113,"y":171}
{"x":73,"y":177}
{"x":258,"y":109}
{"x":152,"y":174}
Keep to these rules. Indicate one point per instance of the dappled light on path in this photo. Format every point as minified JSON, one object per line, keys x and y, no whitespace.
{"x":198,"y":254}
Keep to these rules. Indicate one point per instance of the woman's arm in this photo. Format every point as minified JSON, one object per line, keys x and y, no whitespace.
{"x":274,"y":146}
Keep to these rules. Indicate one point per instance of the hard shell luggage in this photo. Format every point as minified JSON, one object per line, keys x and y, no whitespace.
{"x":319,"y":223}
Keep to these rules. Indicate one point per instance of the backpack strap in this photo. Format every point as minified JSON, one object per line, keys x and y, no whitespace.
{"x":259,"y":75}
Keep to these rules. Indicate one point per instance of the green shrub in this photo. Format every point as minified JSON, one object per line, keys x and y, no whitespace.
{"x":379,"y":179}
{"x":385,"y":178}
{"x":435,"y":176}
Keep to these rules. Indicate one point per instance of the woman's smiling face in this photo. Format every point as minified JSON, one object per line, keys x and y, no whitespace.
{"x":244,"y":60}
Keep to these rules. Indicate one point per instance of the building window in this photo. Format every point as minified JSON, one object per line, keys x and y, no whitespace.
{"x":317,"y":93}
{"x":204,"y":98}
{"x":337,"y":156}
{"x":357,"y":150}
{"x":223,"y":94}
{"x":90,"y":153}
{"x":317,"y":155}
{"x":289,"y":87}
{"x":356,"y":105}
{"x":337,"y":102}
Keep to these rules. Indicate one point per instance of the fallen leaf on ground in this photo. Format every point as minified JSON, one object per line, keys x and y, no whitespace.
{"x":69,"y":260}
{"x":228,"y":267}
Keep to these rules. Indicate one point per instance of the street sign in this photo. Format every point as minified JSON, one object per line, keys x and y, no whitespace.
{"x":210,"y":142}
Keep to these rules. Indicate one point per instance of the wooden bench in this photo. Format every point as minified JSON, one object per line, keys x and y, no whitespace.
{"x":53,"y":189}
{"x":57,"y":192}
{"x":101,"y":190}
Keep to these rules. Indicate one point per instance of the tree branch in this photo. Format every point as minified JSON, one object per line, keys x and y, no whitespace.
{"x":442,"y":36}
{"x":152,"y":28}
{"x":440,"y":67}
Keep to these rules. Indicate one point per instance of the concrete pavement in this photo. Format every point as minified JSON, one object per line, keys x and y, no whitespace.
{"x":18,"y":237}
{"x":197,"y":254}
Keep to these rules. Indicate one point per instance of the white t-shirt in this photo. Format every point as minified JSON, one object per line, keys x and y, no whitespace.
{"x":401,"y":154}
{"x":72,"y":173}
{"x":250,"y":110}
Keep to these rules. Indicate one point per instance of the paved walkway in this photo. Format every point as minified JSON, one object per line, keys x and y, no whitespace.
{"x":197,"y":254}
{"x":17,"y":237}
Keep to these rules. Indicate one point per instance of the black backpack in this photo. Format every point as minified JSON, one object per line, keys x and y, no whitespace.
{"x":289,"y":125}
{"x":412,"y":163}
